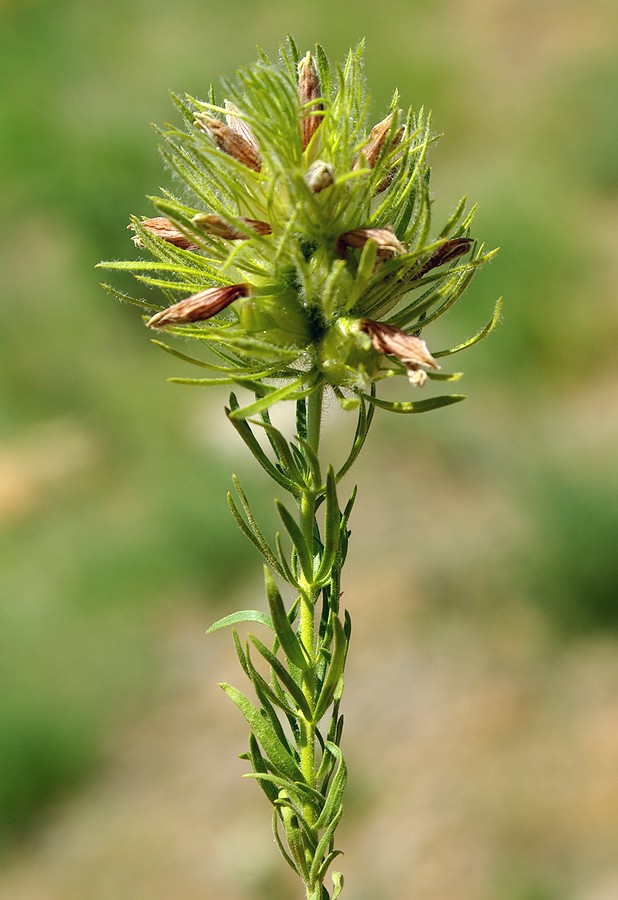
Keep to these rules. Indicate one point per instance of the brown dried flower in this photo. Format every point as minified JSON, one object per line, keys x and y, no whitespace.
{"x":408,"y":348}
{"x":215,"y":225}
{"x":199,"y":307}
{"x":238,"y":124}
{"x":449,"y":251}
{"x":309,"y":94}
{"x":386,"y":239}
{"x":166,"y":230}
{"x":377,"y":139}
{"x":232,"y":139}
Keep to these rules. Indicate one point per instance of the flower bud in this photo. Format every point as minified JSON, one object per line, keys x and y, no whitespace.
{"x":199,"y":307}
{"x":449,"y":251}
{"x":166,"y":230}
{"x":230,"y":141}
{"x":408,"y":348}
{"x":389,"y":245}
{"x":238,"y":124}
{"x":377,"y":140}
{"x":216,"y":225}
{"x":320,"y":175}
{"x":309,"y":94}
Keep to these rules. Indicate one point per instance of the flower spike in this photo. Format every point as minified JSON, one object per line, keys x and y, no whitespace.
{"x":279,"y":214}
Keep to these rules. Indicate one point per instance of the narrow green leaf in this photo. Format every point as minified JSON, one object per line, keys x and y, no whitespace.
{"x":324,"y":70}
{"x":445,"y":376}
{"x":332,"y":519}
{"x":273,"y":396}
{"x":260,"y":770}
{"x":281,"y":624}
{"x":335,"y":670}
{"x":312,"y":462}
{"x":264,"y":732}
{"x":126,"y":298}
{"x":244,"y":430}
{"x":296,"y":535}
{"x":335,"y":793}
{"x":327,"y":862}
{"x":322,"y":848}
{"x":303,"y":791}
{"x":288,"y":574}
{"x":255,"y":533}
{"x":265,"y":692}
{"x":365,"y":418}
{"x":240,"y":653}
{"x":284,"y":677}
{"x":294,"y":837}
{"x":282,"y":450}
{"x":487,"y":329}
{"x":418,"y":406}
{"x":243,"y":615}
{"x":257,"y":540}
{"x":337,"y":884}
{"x":284,"y":853}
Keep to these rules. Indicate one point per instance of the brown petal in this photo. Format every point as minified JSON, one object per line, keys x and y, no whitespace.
{"x":449,"y":251}
{"x":199,"y":307}
{"x":163,"y":228}
{"x":216,"y":225}
{"x":386,"y":239}
{"x":309,"y":94}
{"x":408,"y":348}
{"x":238,"y":124}
{"x":377,"y":139}
{"x":230,"y":141}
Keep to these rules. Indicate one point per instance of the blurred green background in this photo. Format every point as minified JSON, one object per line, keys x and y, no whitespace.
{"x":489,"y":529}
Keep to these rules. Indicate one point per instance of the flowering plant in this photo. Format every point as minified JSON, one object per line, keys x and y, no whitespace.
{"x":303,"y":253}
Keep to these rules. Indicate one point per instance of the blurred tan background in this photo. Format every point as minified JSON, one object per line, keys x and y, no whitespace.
{"x":482,"y":700}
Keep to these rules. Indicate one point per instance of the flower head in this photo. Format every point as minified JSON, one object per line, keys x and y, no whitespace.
{"x":302,"y":248}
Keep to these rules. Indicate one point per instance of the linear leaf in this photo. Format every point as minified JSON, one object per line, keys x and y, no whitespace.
{"x":244,"y":430}
{"x":304,"y":557}
{"x":281,"y":624}
{"x":335,"y":670}
{"x":303,"y":791}
{"x":487,"y":329}
{"x":264,"y":691}
{"x":265,"y":734}
{"x":332,"y":518}
{"x":323,"y":844}
{"x":335,"y":793}
{"x":260,"y":771}
{"x":273,"y":396}
{"x":418,"y":406}
{"x":243,"y":615}
{"x":284,"y":853}
{"x":284,"y":677}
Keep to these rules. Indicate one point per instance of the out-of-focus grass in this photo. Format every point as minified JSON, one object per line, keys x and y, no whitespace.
{"x":111,"y":491}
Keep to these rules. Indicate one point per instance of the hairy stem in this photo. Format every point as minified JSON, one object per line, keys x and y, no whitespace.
{"x":309,"y":595}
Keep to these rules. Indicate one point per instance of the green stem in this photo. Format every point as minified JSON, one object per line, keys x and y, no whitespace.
{"x":309,"y":595}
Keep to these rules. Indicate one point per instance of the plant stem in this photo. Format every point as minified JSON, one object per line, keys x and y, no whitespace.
{"x":308,"y":600}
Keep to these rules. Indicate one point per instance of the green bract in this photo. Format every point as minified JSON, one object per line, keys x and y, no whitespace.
{"x":301,"y":233}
